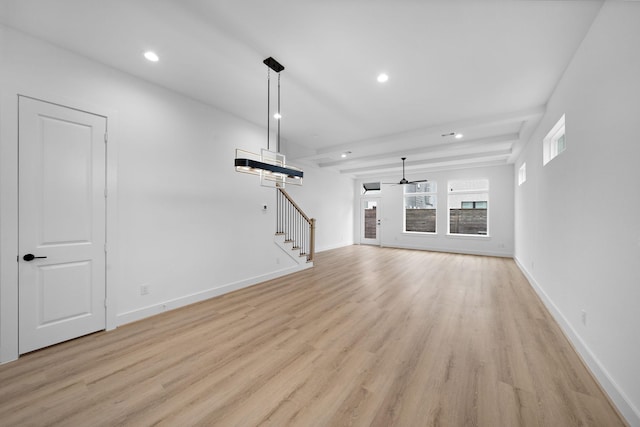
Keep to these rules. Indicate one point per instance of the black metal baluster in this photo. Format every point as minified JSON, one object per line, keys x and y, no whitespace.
{"x":289,"y":219}
{"x":281,"y":214}
{"x":299,"y":217}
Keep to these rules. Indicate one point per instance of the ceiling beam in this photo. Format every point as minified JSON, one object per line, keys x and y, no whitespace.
{"x":439,"y":129}
{"x":474,"y":144}
{"x":434,"y":168}
{"x":502,"y":154}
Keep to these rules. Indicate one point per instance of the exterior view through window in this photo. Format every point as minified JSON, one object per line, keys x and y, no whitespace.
{"x":469,"y":207}
{"x":370,"y":215}
{"x":420,"y":204}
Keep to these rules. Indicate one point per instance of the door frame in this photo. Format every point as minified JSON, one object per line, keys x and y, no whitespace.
{"x":9,"y":209}
{"x":363,"y":200}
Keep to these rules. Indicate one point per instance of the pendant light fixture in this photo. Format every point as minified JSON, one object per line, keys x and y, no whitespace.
{"x":270,"y":165}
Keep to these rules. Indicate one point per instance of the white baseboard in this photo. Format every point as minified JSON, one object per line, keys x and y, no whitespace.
{"x":142,"y":313}
{"x":617,"y":396}
{"x":330,"y":247}
{"x":450,"y":250}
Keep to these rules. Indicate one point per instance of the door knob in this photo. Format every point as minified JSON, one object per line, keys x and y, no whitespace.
{"x":31,"y":257}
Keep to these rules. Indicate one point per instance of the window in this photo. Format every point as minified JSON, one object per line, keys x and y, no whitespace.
{"x":555,"y":142}
{"x":469,"y":207}
{"x":522,"y":174}
{"x":474,"y":205}
{"x":370,"y":187}
{"x":420,"y":204}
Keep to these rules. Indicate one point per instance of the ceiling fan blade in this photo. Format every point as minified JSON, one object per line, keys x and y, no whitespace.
{"x":404,"y":181}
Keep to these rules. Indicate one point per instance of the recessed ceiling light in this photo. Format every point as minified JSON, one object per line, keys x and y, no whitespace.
{"x":456,"y":135}
{"x":345,"y":154}
{"x":277,"y":116}
{"x":382,"y":77}
{"x":151,"y":56}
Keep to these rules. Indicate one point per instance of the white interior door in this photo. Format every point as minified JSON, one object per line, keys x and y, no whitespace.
{"x":370,"y":220}
{"x":61,"y":223}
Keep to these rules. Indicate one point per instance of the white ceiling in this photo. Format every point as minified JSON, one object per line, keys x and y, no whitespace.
{"x":482,"y":68}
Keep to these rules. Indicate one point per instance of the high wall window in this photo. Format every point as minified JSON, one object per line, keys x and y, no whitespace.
{"x":420,"y":205}
{"x":370,"y":188}
{"x":522,"y":174}
{"x":555,"y":142}
{"x":468,"y":202}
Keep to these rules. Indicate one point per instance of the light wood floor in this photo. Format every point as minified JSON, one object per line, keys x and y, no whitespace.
{"x":370,"y":336}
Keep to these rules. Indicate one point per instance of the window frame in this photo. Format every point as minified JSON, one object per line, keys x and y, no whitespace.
{"x":451,"y":192}
{"x":522,"y":174}
{"x":433,"y":193}
{"x":375,"y":190}
{"x":550,"y":146}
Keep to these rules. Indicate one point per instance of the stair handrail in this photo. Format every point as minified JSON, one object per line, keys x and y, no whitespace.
{"x":310,"y":221}
{"x":295,"y":205}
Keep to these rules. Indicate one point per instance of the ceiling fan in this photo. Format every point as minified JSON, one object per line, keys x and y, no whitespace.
{"x":404,"y":181}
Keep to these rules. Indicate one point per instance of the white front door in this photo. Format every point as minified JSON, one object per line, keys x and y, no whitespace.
{"x":61,"y":223}
{"x":370,"y":220}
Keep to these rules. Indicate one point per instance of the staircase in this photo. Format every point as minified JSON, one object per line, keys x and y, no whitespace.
{"x":295,"y":231}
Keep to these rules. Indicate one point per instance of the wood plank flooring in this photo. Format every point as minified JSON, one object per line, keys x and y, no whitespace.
{"x":368,"y":337}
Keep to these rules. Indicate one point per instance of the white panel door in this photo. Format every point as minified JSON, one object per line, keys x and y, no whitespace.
{"x":61,"y":223}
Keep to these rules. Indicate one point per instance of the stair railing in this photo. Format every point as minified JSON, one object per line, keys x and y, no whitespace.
{"x":295,"y":225}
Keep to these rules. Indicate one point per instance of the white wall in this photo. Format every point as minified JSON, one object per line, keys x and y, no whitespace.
{"x":328,"y":197}
{"x":577,"y":218}
{"x":187,"y":225}
{"x":500,"y":239}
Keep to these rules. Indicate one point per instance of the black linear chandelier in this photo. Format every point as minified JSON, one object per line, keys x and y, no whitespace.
{"x":269,"y":165}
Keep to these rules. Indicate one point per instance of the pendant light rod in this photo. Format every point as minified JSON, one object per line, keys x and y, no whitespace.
{"x":279,"y":116}
{"x":270,"y":166}
{"x":268,"y":107}
{"x":277,"y":67}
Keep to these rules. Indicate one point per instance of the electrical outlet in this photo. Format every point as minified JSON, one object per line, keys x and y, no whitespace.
{"x":584,"y":317}
{"x":144,"y":289}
